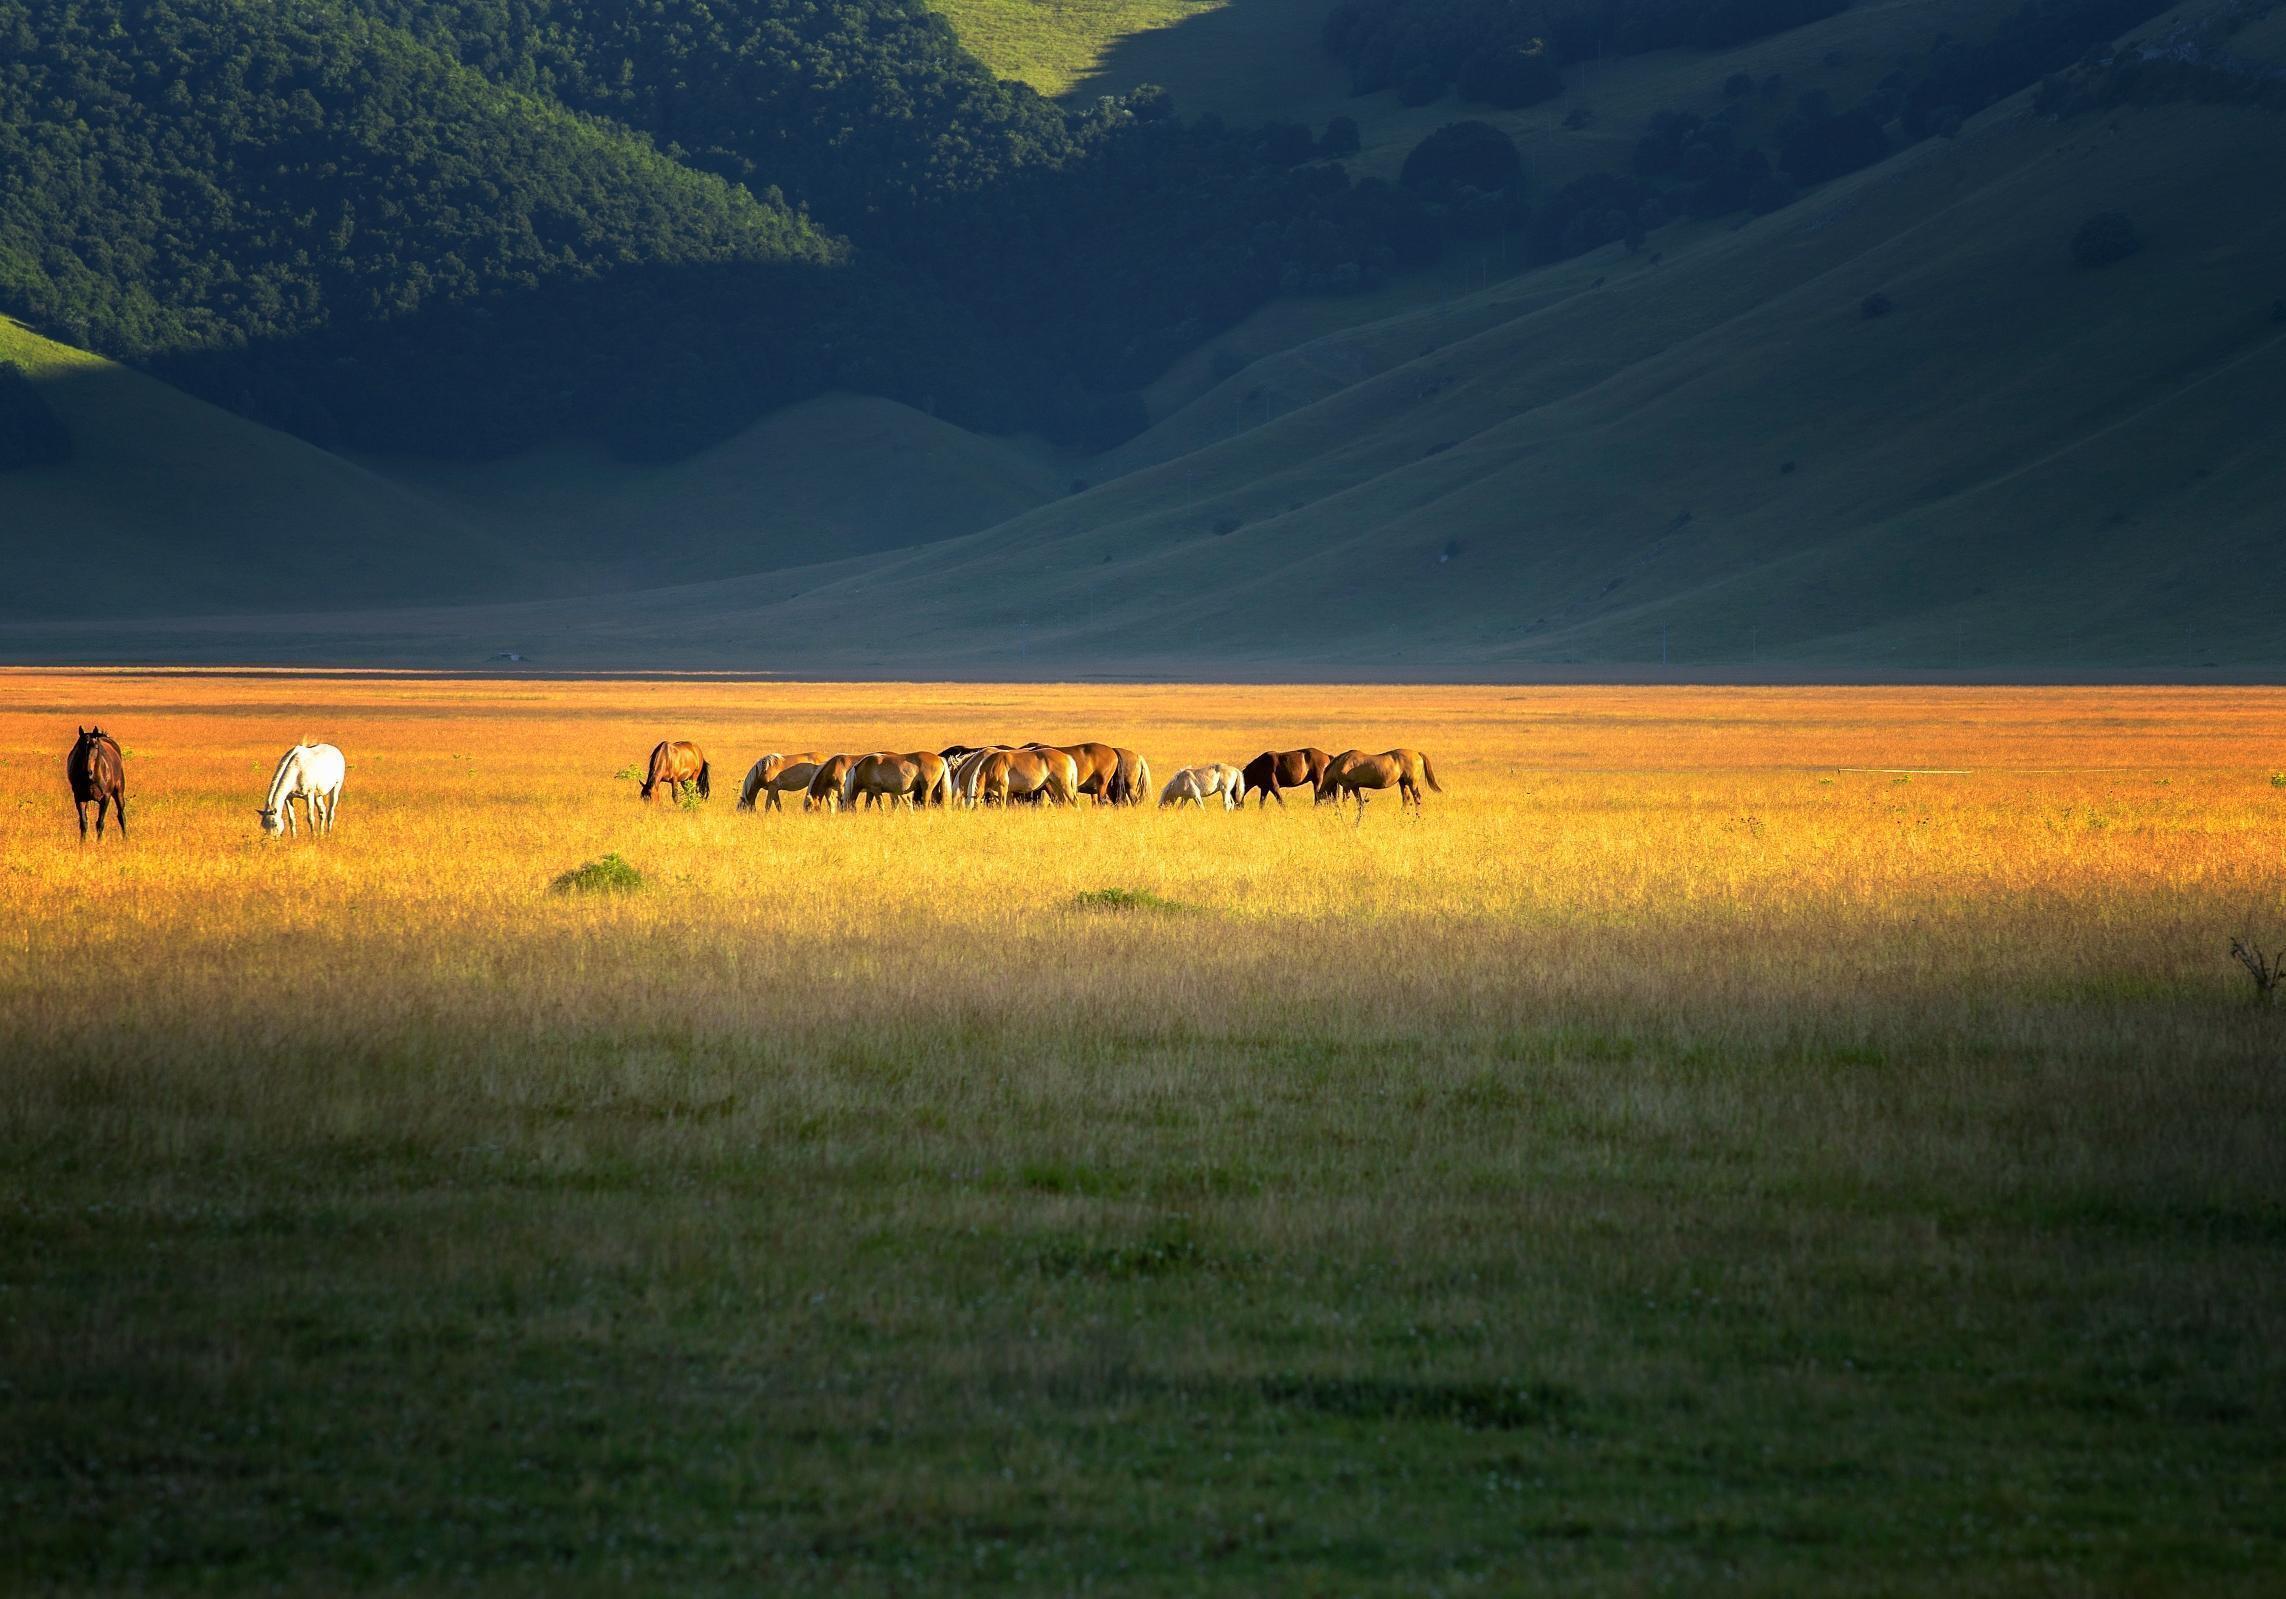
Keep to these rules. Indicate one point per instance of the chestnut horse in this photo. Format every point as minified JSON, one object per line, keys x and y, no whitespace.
{"x":774,"y":775}
{"x":1010,"y":775}
{"x":825,"y":784}
{"x":98,"y":777}
{"x":895,"y":779}
{"x":680,"y":765}
{"x":1273,"y":770}
{"x":1355,"y":773}
{"x":1098,"y":766}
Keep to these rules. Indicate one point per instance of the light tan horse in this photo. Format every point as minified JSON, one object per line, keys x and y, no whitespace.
{"x":1019,"y":774}
{"x":1193,"y":785}
{"x":826,"y":781}
{"x":774,"y":775}
{"x":1357,"y":774}
{"x":894,"y":779}
{"x":1133,"y":785}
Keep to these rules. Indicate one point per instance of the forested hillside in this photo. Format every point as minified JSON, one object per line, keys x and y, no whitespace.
{"x":403,"y":226}
{"x":1485,"y":373}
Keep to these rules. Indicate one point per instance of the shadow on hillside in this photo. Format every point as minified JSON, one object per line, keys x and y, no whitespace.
{"x":1246,"y":61}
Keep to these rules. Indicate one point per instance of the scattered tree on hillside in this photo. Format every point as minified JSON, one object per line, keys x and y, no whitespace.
{"x":1476,"y":154}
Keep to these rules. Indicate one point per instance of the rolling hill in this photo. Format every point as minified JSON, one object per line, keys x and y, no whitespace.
{"x":1895,"y":426}
{"x":169,"y":504}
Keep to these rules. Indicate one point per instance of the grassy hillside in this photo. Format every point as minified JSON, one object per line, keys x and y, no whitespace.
{"x":170,"y":504}
{"x":1708,"y":452}
{"x":838,"y":476}
{"x":1053,"y":44}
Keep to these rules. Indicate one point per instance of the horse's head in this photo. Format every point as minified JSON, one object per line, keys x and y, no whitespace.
{"x":272,"y":824}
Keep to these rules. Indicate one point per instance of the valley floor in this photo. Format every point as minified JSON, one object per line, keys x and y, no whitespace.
{"x":1752,"y":1140}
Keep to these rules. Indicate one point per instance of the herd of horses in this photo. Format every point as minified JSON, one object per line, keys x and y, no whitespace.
{"x":966,"y":775}
{"x":971,"y":775}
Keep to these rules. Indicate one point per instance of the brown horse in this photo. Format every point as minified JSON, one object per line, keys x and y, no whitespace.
{"x":1356,"y":774}
{"x":680,"y":765}
{"x":1010,"y":775}
{"x":825,"y":785}
{"x":1273,"y":770}
{"x":98,"y":777}
{"x":774,"y":775}
{"x":1098,"y":768}
{"x":894,"y":779}
{"x":1133,"y":785}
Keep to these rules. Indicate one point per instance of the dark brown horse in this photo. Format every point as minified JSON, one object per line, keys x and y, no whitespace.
{"x":1273,"y":770}
{"x":679,"y":764}
{"x":98,"y":777}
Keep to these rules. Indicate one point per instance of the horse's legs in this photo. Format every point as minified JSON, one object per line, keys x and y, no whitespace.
{"x":1361,"y":796}
{"x":119,"y":804}
{"x":80,"y":806}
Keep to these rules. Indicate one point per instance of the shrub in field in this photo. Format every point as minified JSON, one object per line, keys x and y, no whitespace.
{"x":2264,"y":969}
{"x":608,"y":874}
{"x":1129,"y":899}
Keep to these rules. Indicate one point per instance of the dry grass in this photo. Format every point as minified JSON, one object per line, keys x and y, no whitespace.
{"x":1684,"y":1155}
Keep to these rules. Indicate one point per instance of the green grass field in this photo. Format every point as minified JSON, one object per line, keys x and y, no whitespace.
{"x":1681,"y":1160}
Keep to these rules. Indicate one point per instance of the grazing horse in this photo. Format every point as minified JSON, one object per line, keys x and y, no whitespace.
{"x":1007,"y":775}
{"x":894,"y":779}
{"x":311,"y":773}
{"x":1098,"y":768}
{"x":679,"y":764}
{"x":98,"y":777}
{"x":967,"y":768}
{"x":825,"y":783}
{"x":1194,"y":783}
{"x":1273,"y":770}
{"x":1355,"y":773}
{"x":774,"y":775}
{"x":1133,"y":784}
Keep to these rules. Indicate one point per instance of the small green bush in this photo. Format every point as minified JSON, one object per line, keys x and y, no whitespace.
{"x":611,"y":874}
{"x":1129,"y":899}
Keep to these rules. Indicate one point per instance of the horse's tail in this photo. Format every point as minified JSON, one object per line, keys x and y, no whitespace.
{"x":849,"y":786}
{"x":1430,"y":773}
{"x":706,"y":772}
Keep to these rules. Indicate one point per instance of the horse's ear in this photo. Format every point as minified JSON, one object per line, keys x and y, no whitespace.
{"x":83,"y":732}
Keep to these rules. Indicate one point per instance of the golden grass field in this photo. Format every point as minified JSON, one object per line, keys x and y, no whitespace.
{"x":1698,"y":1151}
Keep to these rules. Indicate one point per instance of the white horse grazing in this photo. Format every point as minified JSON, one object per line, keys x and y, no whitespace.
{"x":1196,"y":783}
{"x":311,"y":773}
